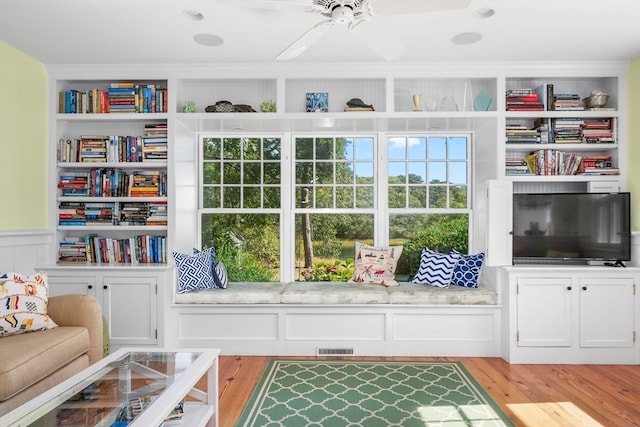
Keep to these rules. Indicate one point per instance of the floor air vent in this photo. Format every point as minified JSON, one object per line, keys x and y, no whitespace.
{"x":334,"y":351}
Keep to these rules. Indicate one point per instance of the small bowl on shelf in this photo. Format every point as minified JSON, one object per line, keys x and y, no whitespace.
{"x":596,"y":101}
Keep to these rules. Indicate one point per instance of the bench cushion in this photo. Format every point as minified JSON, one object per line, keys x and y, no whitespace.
{"x":410,"y":293}
{"x":334,"y":293}
{"x":236,"y":293}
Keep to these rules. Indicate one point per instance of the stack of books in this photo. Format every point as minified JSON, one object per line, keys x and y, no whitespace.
{"x":567,"y":131}
{"x":516,"y":166}
{"x":523,"y":100}
{"x":519,"y":134}
{"x":567,"y":102}
{"x":597,"y":131}
{"x":599,"y":165}
{"x":93,"y":148}
{"x":154,"y":143}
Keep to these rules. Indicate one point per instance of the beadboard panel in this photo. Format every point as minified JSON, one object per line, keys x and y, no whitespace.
{"x":21,"y":251}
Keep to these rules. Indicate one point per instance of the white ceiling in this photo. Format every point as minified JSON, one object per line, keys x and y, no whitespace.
{"x":158,"y":32}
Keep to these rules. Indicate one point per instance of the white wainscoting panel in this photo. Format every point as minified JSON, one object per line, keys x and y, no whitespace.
{"x":21,"y":251}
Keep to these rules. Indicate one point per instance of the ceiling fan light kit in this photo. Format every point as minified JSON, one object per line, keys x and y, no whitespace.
{"x":359,"y":15}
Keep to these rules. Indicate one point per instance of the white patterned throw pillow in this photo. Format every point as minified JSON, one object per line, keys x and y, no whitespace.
{"x":376,"y":264}
{"x":194,"y":272}
{"x":23,"y":304}
{"x":467,"y":270}
{"x":436,"y":269}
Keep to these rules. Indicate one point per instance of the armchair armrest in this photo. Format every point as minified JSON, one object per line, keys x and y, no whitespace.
{"x":80,"y":310}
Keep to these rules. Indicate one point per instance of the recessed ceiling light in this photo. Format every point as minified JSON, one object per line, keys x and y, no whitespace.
{"x":466,"y":38}
{"x":194,"y":14}
{"x":208,"y":39}
{"x":483,"y":12}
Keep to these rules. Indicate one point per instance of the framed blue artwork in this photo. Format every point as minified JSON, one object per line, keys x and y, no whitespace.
{"x":317,"y":102}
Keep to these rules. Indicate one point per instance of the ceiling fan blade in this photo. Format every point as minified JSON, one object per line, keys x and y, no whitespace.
{"x":406,"y":7}
{"x":305,"y":40}
{"x":378,"y":39}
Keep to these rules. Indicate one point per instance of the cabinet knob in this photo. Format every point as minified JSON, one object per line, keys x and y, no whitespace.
{"x":584,"y":288}
{"x":90,"y":286}
{"x":569,"y":288}
{"x":104,"y":287}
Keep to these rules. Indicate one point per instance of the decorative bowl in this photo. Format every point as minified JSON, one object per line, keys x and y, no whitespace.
{"x":596,"y":101}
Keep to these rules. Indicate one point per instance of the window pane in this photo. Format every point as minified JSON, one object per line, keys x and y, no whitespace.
{"x":323,"y":197}
{"x":344,"y":198}
{"x":437,"y":148}
{"x":252,"y":173}
{"x":211,"y":197}
{"x":248,"y":244}
{"x":364,"y":197}
{"x":211,"y":173}
{"x":231,"y":173}
{"x":271,"y":173}
{"x":272,"y":149}
{"x":439,"y":232}
{"x":304,"y":148}
{"x":251,"y":197}
{"x":458,"y":148}
{"x":417,"y":148}
{"x":417,"y":172}
{"x":272,"y":197}
{"x":231,"y":148}
{"x":324,"y":148}
{"x":344,"y":173}
{"x":437,"y":172}
{"x":396,"y":148}
{"x":458,"y":196}
{"x":231,"y":197}
{"x":364,"y":149}
{"x":364,"y":173}
{"x":437,"y":196}
{"x":418,"y":197}
{"x":251,"y":149}
{"x":211,"y":148}
{"x":324,"y":245}
{"x":457,"y":173}
{"x":347,"y":149}
{"x":397,"y":197}
{"x":397,"y":173}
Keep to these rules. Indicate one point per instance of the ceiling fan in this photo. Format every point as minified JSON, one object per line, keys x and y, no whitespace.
{"x":360,"y":15}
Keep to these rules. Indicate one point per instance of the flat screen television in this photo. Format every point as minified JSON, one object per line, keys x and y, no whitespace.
{"x":571,"y":227}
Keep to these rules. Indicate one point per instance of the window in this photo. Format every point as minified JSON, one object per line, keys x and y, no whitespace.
{"x":290,"y":207}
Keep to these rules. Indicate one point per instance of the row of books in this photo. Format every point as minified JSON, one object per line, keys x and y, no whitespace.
{"x":112,"y":148}
{"x":551,"y":162}
{"x":113,"y":182}
{"x":544,"y":98}
{"x":117,"y":98}
{"x":91,"y":248}
{"x":112,"y":213}
{"x":562,"y":131}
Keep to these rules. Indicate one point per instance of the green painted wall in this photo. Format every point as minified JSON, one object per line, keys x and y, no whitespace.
{"x":23,"y":141}
{"x":633,"y":148}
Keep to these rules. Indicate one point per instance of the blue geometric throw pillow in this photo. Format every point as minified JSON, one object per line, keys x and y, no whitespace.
{"x":435,"y":268}
{"x":213,"y":254}
{"x":220,"y":276}
{"x":467,"y":270}
{"x":194,"y":272}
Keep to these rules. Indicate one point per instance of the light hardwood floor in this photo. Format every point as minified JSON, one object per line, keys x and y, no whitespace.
{"x":532,"y":395}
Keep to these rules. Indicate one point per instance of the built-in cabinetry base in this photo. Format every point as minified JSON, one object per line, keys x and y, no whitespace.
{"x":131,"y":303}
{"x":571,"y":314}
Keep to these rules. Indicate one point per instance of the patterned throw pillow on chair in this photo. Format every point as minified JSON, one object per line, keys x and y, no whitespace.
{"x":467,"y":270}
{"x":436,"y":269}
{"x":23,"y":304}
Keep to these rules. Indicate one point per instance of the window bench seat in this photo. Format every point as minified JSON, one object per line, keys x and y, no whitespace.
{"x":339,"y":293}
{"x":304,"y":318}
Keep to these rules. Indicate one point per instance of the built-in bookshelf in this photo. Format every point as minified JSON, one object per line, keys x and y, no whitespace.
{"x":551,"y":133}
{"x":111,"y":162}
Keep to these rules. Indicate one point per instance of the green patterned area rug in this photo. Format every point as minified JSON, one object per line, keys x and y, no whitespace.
{"x":311,"y":393}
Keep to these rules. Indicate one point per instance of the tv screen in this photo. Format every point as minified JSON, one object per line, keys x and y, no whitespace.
{"x":572,"y":227}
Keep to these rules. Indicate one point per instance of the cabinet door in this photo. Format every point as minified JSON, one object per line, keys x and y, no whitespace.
{"x":544,"y":312}
{"x":606,"y":312}
{"x":132,"y":310}
{"x":63,"y":285}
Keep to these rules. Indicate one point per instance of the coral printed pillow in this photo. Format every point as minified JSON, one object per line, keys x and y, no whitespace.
{"x":436,"y":269}
{"x":376,"y":264}
{"x":467,"y":270}
{"x":23,"y":304}
{"x":194,"y":272}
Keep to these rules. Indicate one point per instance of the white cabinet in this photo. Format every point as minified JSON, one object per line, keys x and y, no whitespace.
{"x":570,"y":314}
{"x":544,"y":312}
{"x":130,"y":300}
{"x":606,"y":312}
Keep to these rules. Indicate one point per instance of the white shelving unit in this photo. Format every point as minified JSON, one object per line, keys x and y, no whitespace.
{"x":388,"y":87}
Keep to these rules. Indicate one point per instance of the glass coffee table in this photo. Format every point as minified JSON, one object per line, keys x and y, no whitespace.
{"x":131,"y":387}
